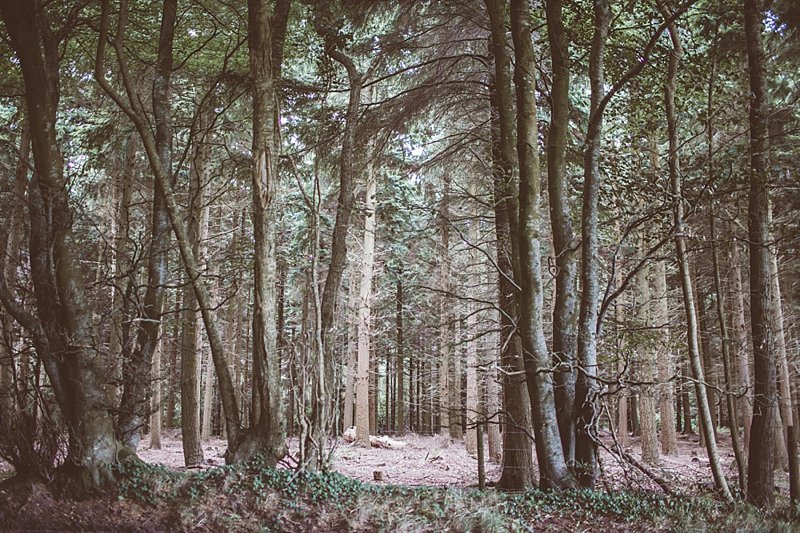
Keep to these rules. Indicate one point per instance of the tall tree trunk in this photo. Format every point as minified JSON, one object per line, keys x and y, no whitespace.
{"x":517,"y":452}
{"x":587,"y":387}
{"x":552,"y":466}
{"x":135,"y":111}
{"x":135,"y":403}
{"x":704,"y":412}
{"x":666,"y":364}
{"x":787,"y":414}
{"x":364,"y":313}
{"x":565,"y":310}
{"x":322,"y":411}
{"x":267,"y":432}
{"x":760,"y":474}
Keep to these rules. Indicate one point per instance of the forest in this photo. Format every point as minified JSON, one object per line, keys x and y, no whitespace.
{"x":420,"y":265}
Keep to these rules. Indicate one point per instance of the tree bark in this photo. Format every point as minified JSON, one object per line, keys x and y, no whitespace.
{"x":267,"y":432}
{"x":666,"y":364}
{"x":445,"y":327}
{"x":745,"y":389}
{"x":364,"y":313}
{"x":517,"y":452}
{"x":647,"y":404}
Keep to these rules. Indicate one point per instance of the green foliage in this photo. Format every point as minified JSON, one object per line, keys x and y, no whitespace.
{"x":147,"y":483}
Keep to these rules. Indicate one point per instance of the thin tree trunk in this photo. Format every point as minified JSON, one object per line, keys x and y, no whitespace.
{"x":352,"y":354}
{"x":740,"y":342}
{"x":683,"y":266}
{"x":445,"y":329}
{"x":400,"y":399}
{"x":472,"y":348}
{"x":666,"y":364}
{"x":155,"y":405}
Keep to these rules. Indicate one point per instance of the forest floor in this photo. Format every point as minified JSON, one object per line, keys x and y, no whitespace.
{"x":437,"y":461}
{"x":427,"y":485}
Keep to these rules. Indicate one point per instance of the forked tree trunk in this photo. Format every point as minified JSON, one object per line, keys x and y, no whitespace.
{"x":517,"y":452}
{"x":135,"y":404}
{"x":134,"y":110}
{"x":63,"y":334}
{"x":553,"y":472}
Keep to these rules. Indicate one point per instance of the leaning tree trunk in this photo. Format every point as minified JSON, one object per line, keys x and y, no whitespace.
{"x":135,"y":111}
{"x":553,"y":471}
{"x":135,"y":403}
{"x":704,"y":413}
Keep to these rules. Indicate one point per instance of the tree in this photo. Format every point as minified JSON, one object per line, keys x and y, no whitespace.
{"x":564,"y":246}
{"x":62,"y":328}
{"x":760,"y":470}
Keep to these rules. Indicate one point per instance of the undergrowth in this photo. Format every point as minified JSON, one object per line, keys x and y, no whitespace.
{"x":256,"y":497}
